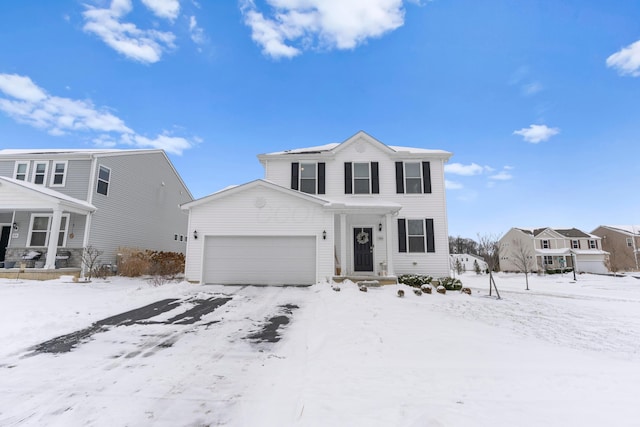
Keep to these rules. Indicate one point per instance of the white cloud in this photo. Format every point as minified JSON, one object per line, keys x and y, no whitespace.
{"x":452,"y":185}
{"x":627,"y":60}
{"x":168,"y":9}
{"x":501,"y":176}
{"x":27,"y":103}
{"x":197,"y":33}
{"x":339,"y":24}
{"x":146,"y":46}
{"x":531,"y":88}
{"x":537,"y":133}
{"x":20,"y":87}
{"x":466,"y":170}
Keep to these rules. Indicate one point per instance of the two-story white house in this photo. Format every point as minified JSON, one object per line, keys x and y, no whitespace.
{"x":55,"y":202}
{"x":552,"y":249}
{"x":356,"y":209}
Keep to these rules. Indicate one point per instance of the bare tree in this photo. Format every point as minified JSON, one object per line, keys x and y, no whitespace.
{"x":523,"y":259}
{"x":489,"y":248}
{"x":90,"y":257}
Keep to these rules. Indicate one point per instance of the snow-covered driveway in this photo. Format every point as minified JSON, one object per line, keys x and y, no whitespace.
{"x":169,"y":360}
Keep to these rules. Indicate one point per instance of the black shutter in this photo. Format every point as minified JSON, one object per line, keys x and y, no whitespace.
{"x":375,"y":181}
{"x":320,"y":178}
{"x":431,"y":246}
{"x":399,"y":178}
{"x":402,"y":235}
{"x":347,"y":178}
{"x":295,"y":168}
{"x":426,"y":177}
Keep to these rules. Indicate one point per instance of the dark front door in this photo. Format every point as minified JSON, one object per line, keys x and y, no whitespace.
{"x":4,"y":241}
{"x":363,"y":249}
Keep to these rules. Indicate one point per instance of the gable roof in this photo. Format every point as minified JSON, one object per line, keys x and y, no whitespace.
{"x":228,"y":191}
{"x":331,"y":149}
{"x":626,"y":229}
{"x":564,"y":232}
{"x":42,"y":194}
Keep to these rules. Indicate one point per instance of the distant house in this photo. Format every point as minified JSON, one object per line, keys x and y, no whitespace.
{"x":552,"y":249}
{"x":57,"y":202}
{"x":623,"y":244}
{"x":468,"y":262}
{"x":355,"y":209}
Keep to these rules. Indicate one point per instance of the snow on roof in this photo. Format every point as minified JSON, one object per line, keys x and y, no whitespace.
{"x":330,"y":147}
{"x":88,"y":151}
{"x":633,"y":229}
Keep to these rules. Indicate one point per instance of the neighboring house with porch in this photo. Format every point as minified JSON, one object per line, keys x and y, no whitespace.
{"x":553,"y":249}
{"x":356,"y":209}
{"x":105,"y":199}
{"x":623,"y":244}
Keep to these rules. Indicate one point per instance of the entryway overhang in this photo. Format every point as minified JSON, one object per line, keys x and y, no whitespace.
{"x":17,"y":195}
{"x":378,"y":215}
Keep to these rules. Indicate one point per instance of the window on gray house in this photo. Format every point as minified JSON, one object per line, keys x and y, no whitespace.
{"x":22,"y":169}
{"x":40,"y":173}
{"x":104,"y":176}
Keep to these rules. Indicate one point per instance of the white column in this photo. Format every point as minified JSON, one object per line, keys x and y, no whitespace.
{"x":343,"y":243}
{"x":52,"y":249}
{"x":389,"y":238}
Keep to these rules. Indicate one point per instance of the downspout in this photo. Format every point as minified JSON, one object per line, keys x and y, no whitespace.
{"x":87,"y":224}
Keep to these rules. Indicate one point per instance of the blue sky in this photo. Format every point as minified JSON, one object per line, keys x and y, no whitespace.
{"x":538,"y":100}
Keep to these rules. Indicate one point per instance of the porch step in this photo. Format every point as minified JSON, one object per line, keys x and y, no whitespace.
{"x":369,"y":283}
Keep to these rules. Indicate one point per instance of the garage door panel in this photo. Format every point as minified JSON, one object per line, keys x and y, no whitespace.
{"x":264,"y":260}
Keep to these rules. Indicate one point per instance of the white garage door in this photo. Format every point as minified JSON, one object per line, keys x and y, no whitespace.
{"x":592,"y":267}
{"x":260,"y":260}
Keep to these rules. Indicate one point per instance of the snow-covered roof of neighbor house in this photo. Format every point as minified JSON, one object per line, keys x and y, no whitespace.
{"x":330,"y":147}
{"x":34,"y":151}
{"x":589,"y":252}
{"x":561,"y":251}
{"x":633,"y":229}
{"x":49,"y":192}
{"x":567,"y":232}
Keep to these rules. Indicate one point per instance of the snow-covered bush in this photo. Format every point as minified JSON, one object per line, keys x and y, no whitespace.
{"x":414,"y":280}
{"x":450,"y":283}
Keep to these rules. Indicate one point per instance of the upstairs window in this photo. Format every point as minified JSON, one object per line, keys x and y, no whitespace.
{"x":545,"y":244}
{"x":104,"y":177}
{"x":59,"y":174}
{"x":593,"y":244}
{"x":629,"y":242}
{"x":40,"y":172}
{"x":40,"y":230}
{"x":21,"y":171}
{"x":361,"y":178}
{"x":413,"y":177}
{"x":575,"y":244}
{"x":308,"y":177}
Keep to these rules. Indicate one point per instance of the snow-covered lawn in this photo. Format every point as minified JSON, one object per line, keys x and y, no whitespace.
{"x":563,"y":353}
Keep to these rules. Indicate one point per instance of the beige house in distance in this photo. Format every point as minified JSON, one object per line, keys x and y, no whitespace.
{"x":553,"y":249}
{"x":623,"y":244}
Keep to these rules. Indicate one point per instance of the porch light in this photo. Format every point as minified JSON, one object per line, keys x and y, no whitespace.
{"x":380,"y":227}
{"x":15,"y":226}
{"x":195,"y":234}
{"x":324,"y":235}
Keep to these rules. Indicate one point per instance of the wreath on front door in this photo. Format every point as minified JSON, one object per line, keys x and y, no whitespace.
{"x":362,"y":237}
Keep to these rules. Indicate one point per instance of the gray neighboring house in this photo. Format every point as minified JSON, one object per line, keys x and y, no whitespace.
{"x":623,"y":244}
{"x":101,"y":198}
{"x":554,"y":248}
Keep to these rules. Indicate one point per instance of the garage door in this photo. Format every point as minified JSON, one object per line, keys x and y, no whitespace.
{"x":592,"y":267}
{"x":264,"y":260}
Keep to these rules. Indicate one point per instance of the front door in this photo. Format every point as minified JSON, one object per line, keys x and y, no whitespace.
{"x":363,"y":249}
{"x":4,"y":241}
